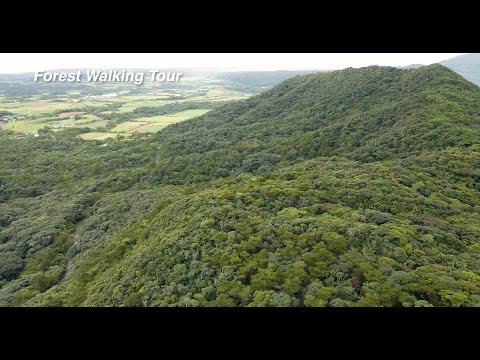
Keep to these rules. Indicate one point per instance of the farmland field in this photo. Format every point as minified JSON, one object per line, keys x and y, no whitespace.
{"x":97,"y":136}
{"x":173,"y":118}
{"x":22,"y":127}
{"x":128,"y":126}
{"x":156,"y":123}
{"x":102,"y":110}
{"x":129,"y":106}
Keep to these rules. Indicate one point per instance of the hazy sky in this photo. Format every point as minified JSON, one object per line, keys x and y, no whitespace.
{"x":12,"y":63}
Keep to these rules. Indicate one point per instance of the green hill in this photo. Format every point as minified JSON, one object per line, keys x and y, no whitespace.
{"x":367,"y":114}
{"x":357,"y":187}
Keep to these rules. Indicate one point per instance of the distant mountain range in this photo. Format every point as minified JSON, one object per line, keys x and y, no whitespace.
{"x":467,"y":65}
{"x":261,"y":78}
{"x":411,"y":66}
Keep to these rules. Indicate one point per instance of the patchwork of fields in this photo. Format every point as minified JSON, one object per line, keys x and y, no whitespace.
{"x":156,"y":123}
{"x":113,"y":112}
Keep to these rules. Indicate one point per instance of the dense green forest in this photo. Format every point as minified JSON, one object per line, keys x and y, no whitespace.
{"x":357,"y":187}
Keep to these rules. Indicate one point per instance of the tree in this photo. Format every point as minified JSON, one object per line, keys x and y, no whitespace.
{"x":46,"y":130}
{"x":280,"y":299}
{"x":264,"y":279}
{"x":454,"y":298}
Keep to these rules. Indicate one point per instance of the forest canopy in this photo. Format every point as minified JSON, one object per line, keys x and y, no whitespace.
{"x":357,"y":187}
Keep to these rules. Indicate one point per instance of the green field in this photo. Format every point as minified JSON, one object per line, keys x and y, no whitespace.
{"x":35,"y":108}
{"x":127,"y":126}
{"x":156,"y":123}
{"x":21,"y":127}
{"x":44,"y":120}
{"x":97,"y":136}
{"x":93,"y":124}
{"x":32,"y":126}
{"x":218,"y":94}
{"x":130,"y":106}
{"x":150,"y":128}
{"x":88,"y":118}
{"x":173,"y":118}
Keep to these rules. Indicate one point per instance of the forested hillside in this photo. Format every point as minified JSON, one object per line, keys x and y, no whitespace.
{"x":357,"y":187}
{"x":367,"y":114}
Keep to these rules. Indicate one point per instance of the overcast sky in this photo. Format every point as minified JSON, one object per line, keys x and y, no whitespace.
{"x":14,"y":63}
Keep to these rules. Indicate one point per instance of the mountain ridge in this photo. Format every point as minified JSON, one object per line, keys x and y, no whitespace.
{"x":314,"y":125}
{"x":467,"y":65}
